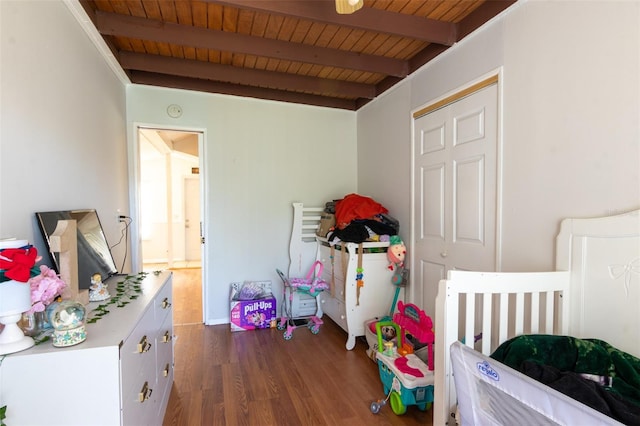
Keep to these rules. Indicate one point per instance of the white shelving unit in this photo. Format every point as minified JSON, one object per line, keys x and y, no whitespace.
{"x":121,"y":375}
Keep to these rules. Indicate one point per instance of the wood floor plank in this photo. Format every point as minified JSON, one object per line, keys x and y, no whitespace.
{"x":257,"y":378}
{"x":194,"y":408}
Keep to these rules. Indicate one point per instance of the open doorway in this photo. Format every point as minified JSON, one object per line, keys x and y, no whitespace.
{"x":170,"y":214}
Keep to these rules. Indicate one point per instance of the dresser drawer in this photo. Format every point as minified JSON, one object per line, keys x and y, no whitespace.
{"x":137,"y":355}
{"x":335,"y":309}
{"x":138,"y":403}
{"x":164,"y":356}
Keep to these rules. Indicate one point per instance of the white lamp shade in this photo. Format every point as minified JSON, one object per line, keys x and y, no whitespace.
{"x":13,"y":243}
{"x":15,"y":298}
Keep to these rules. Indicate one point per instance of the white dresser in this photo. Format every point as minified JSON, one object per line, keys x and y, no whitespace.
{"x":121,"y":375}
{"x":344,"y":303}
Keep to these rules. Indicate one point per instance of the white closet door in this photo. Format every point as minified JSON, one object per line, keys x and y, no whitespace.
{"x":455,"y":191}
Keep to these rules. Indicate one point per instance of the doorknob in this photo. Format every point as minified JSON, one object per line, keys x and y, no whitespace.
{"x":443,"y":254}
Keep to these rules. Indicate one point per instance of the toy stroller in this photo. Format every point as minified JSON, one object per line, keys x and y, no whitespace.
{"x":312,"y":285}
{"x":406,"y":379}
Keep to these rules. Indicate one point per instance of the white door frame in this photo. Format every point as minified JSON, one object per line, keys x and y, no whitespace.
{"x":439,"y":102}
{"x":134,"y":197}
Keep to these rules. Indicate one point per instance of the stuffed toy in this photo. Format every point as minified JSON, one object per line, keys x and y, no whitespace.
{"x":396,"y":253}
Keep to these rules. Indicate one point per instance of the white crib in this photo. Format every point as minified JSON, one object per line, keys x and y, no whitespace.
{"x":594,"y":294}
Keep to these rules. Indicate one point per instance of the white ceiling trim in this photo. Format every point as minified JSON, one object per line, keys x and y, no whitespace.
{"x":85,"y":22}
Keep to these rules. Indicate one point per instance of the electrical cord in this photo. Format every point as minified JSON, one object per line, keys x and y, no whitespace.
{"x":124,"y":234}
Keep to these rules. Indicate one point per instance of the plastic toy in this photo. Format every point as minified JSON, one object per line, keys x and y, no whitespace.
{"x":396,"y":252}
{"x":406,"y":379}
{"x":377,"y":405}
{"x":312,"y":287}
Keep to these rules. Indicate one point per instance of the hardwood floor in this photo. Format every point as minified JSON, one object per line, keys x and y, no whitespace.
{"x":258,"y":378}
{"x":187,"y":296}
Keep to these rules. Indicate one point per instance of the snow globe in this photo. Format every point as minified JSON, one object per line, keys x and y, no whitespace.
{"x":67,"y":320}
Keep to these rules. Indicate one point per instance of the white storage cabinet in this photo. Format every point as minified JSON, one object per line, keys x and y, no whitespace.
{"x":121,"y":375}
{"x":341,"y":303}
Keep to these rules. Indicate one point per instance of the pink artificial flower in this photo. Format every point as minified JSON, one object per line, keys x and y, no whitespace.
{"x":44,"y":289}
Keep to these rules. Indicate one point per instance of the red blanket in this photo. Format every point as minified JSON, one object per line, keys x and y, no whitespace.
{"x":354,"y":206}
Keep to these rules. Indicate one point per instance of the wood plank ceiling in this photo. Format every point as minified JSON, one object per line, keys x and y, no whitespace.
{"x":298,"y":51}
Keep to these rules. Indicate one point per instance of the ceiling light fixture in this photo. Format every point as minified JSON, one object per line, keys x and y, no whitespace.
{"x":344,"y":7}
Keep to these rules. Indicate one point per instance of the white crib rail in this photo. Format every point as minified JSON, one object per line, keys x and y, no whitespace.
{"x":303,"y":246}
{"x":495,"y":306}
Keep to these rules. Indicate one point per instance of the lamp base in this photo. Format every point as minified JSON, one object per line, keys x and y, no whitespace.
{"x":12,"y":338}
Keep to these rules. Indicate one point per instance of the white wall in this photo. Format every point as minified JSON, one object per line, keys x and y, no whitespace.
{"x":261,"y":156}
{"x":384,"y":162}
{"x":571,"y":105}
{"x":572,"y":129}
{"x":62,"y":123}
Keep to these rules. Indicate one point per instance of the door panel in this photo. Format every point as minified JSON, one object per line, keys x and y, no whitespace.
{"x":193,"y":246}
{"x":455,"y":150}
{"x":468,"y":198}
{"x":432,"y":224}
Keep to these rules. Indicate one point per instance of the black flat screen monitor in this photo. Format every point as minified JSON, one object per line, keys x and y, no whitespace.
{"x":94,"y":254}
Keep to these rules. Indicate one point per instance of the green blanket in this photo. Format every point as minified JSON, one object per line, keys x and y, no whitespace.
{"x":584,"y":356}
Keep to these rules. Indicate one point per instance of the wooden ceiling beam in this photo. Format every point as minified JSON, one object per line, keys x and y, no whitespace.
{"x":243,"y":76}
{"x":113,"y":24}
{"x":470,"y":23}
{"x":366,"y":18}
{"x":487,"y":10}
{"x":208,"y":86}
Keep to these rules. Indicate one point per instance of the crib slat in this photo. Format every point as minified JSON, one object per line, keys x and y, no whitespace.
{"x":470,"y":319}
{"x":535,"y":313}
{"x":504,"y":317}
{"x":519,"y":314}
{"x":550,"y":308}
{"x":486,"y":323}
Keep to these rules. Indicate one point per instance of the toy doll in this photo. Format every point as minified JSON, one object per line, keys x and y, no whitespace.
{"x":396,"y":253}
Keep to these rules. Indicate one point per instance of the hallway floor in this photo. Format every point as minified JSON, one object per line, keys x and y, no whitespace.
{"x":184,"y":264}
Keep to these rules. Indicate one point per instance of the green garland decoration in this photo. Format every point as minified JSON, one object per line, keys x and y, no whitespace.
{"x":126,"y":290}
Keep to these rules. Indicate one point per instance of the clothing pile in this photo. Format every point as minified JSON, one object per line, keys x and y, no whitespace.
{"x":588,"y":370}
{"x":359,"y":219}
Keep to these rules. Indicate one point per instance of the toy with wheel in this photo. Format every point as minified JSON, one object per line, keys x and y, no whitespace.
{"x":310,"y":285}
{"x":406,"y":379}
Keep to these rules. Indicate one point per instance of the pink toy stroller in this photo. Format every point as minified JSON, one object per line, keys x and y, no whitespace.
{"x":312,"y":285}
